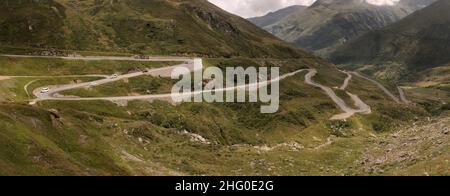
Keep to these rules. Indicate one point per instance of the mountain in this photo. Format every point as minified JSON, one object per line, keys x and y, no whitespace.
{"x":327,"y":24}
{"x":417,"y":4}
{"x":147,"y":26}
{"x":85,"y":131}
{"x":274,"y":17}
{"x":420,"y":41}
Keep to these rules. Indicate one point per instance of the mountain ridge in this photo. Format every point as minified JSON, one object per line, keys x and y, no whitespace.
{"x":419,"y":40}
{"x":327,"y":24}
{"x":140,"y":26}
{"x":275,"y":16}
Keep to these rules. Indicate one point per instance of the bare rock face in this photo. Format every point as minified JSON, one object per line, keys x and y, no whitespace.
{"x":214,"y":20}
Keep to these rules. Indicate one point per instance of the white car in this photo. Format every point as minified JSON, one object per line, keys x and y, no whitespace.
{"x":93,"y":84}
{"x":114,"y":76}
{"x":45,"y":90}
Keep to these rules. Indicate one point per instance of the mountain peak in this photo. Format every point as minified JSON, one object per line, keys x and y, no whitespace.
{"x":358,"y":2}
{"x":337,"y":2}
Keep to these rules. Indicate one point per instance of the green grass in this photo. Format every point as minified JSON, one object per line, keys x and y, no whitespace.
{"x":90,"y":137}
{"x":232,"y":128}
{"x":57,"y":147}
{"x":154,"y":85}
{"x":57,"y":67}
{"x":13,"y":89}
{"x":134,"y":86}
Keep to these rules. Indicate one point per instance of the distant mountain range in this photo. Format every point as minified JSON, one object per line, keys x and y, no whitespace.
{"x":421,"y":41}
{"x":327,"y":24}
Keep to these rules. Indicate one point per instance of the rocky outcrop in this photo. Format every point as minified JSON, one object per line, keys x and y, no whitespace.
{"x":409,"y":147}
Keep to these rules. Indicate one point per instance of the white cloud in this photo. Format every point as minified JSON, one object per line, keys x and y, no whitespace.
{"x":383,"y":2}
{"x":251,"y":8}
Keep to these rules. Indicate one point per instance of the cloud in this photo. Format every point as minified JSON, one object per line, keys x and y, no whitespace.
{"x":383,"y":2}
{"x":252,"y":8}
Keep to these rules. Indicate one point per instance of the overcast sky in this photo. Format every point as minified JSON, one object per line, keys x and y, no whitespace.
{"x":251,"y":8}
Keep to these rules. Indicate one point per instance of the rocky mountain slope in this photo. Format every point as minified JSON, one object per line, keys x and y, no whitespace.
{"x":405,"y":151}
{"x":419,"y":41}
{"x":276,"y":16}
{"x":328,"y":24}
{"x":144,"y":26}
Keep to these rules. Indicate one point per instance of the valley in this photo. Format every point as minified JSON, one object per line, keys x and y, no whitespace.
{"x":135,"y":131}
{"x":85,"y":89}
{"x":327,"y":24}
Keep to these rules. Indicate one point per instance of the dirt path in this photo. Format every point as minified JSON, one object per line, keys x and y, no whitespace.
{"x":402,"y":95}
{"x":4,"y":78}
{"x":346,"y":81}
{"x":25,"y":88}
{"x":63,"y":76}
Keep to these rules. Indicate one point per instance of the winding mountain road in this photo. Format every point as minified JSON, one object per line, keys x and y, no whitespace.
{"x":53,"y":94}
{"x":384,"y":89}
{"x":348,"y":112}
{"x":346,"y":81}
{"x":163,"y":72}
{"x":402,"y":95}
{"x":159,"y":72}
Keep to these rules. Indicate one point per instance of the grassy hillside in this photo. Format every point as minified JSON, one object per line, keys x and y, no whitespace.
{"x":58,"y":67}
{"x":101,"y":138}
{"x":134,"y":26}
{"x":438,"y":77}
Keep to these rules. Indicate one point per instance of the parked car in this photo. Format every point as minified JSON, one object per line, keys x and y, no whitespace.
{"x":45,"y":90}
